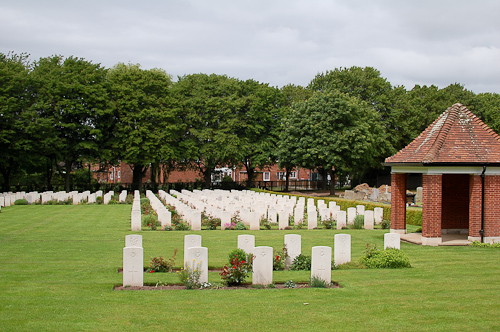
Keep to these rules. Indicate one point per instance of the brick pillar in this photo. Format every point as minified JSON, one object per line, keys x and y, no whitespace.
{"x":475,"y":197}
{"x":431,"y":209}
{"x":492,"y":208}
{"x":398,"y":203}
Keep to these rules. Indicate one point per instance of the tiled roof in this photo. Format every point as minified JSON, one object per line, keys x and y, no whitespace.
{"x":457,"y":136}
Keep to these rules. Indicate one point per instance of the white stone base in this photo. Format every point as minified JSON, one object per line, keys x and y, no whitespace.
{"x":474,"y":238}
{"x":431,"y":241}
{"x":398,"y":231}
{"x":491,"y":239}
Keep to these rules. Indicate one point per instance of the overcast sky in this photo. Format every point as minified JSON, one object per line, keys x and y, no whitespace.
{"x":278,"y":42}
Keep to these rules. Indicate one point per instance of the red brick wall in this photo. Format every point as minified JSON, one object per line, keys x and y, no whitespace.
{"x":455,"y":204}
{"x":398,"y":201}
{"x":475,"y":199}
{"x":431,"y":205}
{"x":492,"y":205}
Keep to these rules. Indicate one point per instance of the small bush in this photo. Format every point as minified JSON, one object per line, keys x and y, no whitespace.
{"x":301,"y":263}
{"x":182,"y":227}
{"x":290,"y":284}
{"x":317,"y":282}
{"x":359,"y":222}
{"x":151,"y":221}
{"x":485,"y":245}
{"x":279,"y":257}
{"x":264,"y":223}
{"x":190,"y":276}
{"x":21,"y":201}
{"x":240,"y":226}
{"x":329,"y":223}
{"x":240,"y":265}
{"x":385,"y":224}
{"x":159,"y":264}
{"x":271,"y":286}
{"x":384,"y":259}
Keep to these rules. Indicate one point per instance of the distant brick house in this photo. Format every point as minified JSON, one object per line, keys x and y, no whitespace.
{"x":122,"y":173}
{"x":459,"y":157}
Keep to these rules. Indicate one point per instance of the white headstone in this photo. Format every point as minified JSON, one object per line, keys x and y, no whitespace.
{"x":369,"y":220}
{"x":299,"y":215}
{"x":293,"y":243}
{"x":133,"y":240}
{"x":262,"y":266}
{"x":283,"y":219}
{"x":321,"y":263}
{"x":341,"y":219}
{"x":312,"y":219}
{"x":378,"y":215}
{"x":392,"y":240}
{"x":254,"y":219}
{"x":351,"y":215}
{"x":272,"y":215}
{"x":196,"y":258}
{"x":191,"y":241}
{"x":196,"y":220}
{"x":360,"y":209}
{"x":342,"y":249}
{"x":133,"y":263}
{"x":225,"y":219}
{"x":246,"y":242}
{"x":136,"y":220}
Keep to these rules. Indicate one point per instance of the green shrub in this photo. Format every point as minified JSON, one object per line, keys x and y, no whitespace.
{"x":240,"y":265}
{"x":317,"y":282}
{"x":264,"y":222}
{"x":329,"y":223}
{"x":190,"y":276}
{"x":290,"y":284}
{"x":485,"y":245}
{"x":240,"y":226}
{"x":279,"y":257}
{"x":301,"y":263}
{"x":21,"y":201}
{"x":238,"y":253}
{"x":182,"y":227}
{"x":385,"y":224}
{"x":159,"y":264}
{"x":384,"y":259}
{"x":151,"y":221}
{"x":359,"y":222}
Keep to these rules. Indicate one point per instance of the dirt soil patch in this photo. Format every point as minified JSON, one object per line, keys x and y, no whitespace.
{"x":243,"y":286}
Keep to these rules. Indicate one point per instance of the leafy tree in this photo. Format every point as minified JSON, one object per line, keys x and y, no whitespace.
{"x":256,"y":126}
{"x":146,"y":127}
{"x":207,"y":105}
{"x":292,"y":94}
{"x":70,"y":112}
{"x":334,"y":131}
{"x":15,"y":143}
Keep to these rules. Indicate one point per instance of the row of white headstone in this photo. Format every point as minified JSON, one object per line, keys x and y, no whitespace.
{"x":196,"y":256}
{"x":136,"y":215}
{"x":8,"y":199}
{"x":252,"y":207}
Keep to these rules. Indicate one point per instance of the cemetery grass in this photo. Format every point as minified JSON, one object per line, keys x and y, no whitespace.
{"x":59,"y":265}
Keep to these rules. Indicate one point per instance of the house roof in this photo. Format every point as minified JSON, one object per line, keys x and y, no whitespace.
{"x":456,"y":137}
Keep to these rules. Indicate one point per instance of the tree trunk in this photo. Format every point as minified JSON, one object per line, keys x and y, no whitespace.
{"x":322,"y":171}
{"x":207,"y":177}
{"x":287,"y":178}
{"x":137,"y":175}
{"x":332,"y":182}
{"x":6,"y":179}
{"x":67,"y":176}
{"x":49,"y":174}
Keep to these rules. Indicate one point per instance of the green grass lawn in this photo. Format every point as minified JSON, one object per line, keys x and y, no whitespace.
{"x":58,"y":266}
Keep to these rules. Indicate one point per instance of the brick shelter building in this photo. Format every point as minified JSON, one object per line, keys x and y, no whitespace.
{"x":458,"y":156}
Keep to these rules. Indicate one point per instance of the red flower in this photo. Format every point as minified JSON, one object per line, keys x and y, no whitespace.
{"x":242,"y":262}
{"x":277,"y":257}
{"x":151,"y":271}
{"x":234,"y":267}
